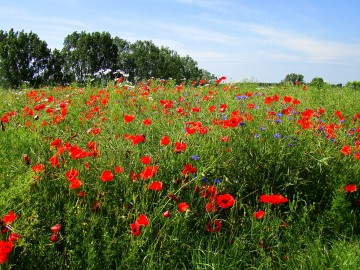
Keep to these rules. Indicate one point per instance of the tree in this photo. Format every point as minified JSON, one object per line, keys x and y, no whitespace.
{"x":293,"y":78}
{"x":23,"y":58}
{"x":87,"y":53}
{"x":353,"y":85}
{"x":317,"y":82}
{"x":143,"y":60}
{"x":123,"y":48}
{"x":55,"y":71}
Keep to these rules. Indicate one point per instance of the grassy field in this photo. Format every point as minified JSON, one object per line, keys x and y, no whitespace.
{"x":165,"y":176}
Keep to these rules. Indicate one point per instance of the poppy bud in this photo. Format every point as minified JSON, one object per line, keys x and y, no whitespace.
{"x":54,"y":238}
{"x":26,"y":159}
{"x":166,"y":214}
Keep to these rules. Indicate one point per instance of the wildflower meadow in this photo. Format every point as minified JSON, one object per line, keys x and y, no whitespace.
{"x":196,"y":175}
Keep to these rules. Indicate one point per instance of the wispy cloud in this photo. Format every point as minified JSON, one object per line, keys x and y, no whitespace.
{"x":200,"y":34}
{"x":23,"y":16}
{"x":314,"y":50}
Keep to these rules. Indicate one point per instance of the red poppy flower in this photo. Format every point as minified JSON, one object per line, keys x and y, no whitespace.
{"x":180,"y":147}
{"x":210,"y":207}
{"x":142,"y":220}
{"x":95,"y":131}
{"x":296,"y":102}
{"x":128,"y":118}
{"x":38,"y":168}
{"x":56,"y":228}
{"x":287,"y":99}
{"x":346,"y":150}
{"x":145,"y":160}
{"x":118,"y":169}
{"x":13,"y":237}
{"x":140,"y":138}
{"x":156,"y":186}
{"x":75,"y":183}
{"x":164,"y":140}
{"x":148,"y":172}
{"x":54,"y":161}
{"x":188,"y":168}
{"x":182,"y":207}
{"x":147,"y":122}
{"x":71,"y":174}
{"x":5,"y":118}
{"x":5,"y":249}
{"x":259,"y":214}
{"x":92,"y":146}
{"x":223,"y":108}
{"x":274,"y":199}
{"x":210,"y":191}
{"x":9,"y":218}
{"x":56,"y":143}
{"x":225,"y":200}
{"x":350,"y":188}
{"x":213,"y":226}
{"x":135,"y":228}
{"x":106,"y":176}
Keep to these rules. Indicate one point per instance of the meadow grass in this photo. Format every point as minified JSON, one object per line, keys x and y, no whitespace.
{"x":242,"y":142}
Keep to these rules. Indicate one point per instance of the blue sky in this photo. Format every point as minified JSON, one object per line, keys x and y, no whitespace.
{"x":261,"y":40}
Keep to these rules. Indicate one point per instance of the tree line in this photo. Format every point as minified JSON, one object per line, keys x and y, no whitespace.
{"x":24,"y":58}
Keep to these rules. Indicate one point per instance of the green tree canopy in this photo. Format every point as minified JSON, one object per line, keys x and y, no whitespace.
{"x":317,"y":82}
{"x":23,"y":58}
{"x":293,"y":78}
{"x":354,"y":85}
{"x":87,"y":53}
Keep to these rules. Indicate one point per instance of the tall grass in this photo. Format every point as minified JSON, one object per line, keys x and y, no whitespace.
{"x":273,"y":145}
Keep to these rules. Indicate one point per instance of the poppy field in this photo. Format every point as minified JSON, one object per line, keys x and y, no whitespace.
{"x":198,"y":175}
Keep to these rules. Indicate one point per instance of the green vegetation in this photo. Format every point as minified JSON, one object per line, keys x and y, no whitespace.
{"x":198,"y":175}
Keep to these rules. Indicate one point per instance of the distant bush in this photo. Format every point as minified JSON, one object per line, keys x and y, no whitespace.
{"x":293,"y":78}
{"x":317,"y":82}
{"x":354,"y":85}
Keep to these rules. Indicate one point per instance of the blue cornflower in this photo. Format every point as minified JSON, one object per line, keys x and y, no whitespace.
{"x":217,"y":181}
{"x":256,"y":136}
{"x":205,"y":179}
{"x":277,"y":121}
{"x":195,"y":157}
{"x":276,"y":136}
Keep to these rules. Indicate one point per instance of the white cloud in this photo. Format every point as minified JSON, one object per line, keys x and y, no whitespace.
{"x":24,"y":16}
{"x":198,"y":34}
{"x":314,"y":50}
